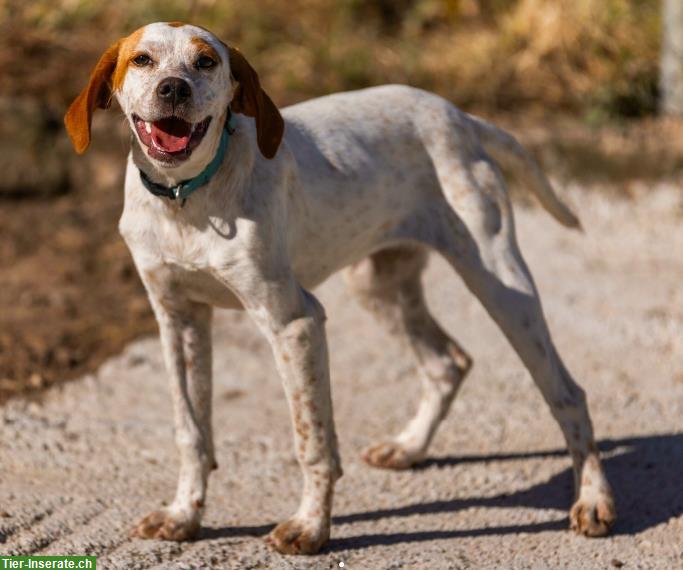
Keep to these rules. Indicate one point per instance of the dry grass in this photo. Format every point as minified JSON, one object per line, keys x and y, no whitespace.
{"x":597,"y":57}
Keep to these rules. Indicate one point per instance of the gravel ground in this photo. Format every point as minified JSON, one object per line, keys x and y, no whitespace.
{"x":78,"y":468}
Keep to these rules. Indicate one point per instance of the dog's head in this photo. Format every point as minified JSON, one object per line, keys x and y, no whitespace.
{"x":175,"y":83}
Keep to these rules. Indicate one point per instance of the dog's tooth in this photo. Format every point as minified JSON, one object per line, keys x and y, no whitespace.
{"x":148,"y":127}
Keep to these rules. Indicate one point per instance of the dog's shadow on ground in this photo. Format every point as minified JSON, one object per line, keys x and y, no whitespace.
{"x":645,"y":473}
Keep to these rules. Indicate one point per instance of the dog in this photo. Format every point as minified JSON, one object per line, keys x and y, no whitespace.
{"x":231,"y":203}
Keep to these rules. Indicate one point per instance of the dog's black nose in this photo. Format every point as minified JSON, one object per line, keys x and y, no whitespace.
{"x":174,"y":90}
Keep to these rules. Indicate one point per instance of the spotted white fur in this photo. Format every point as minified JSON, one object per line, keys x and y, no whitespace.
{"x":367,"y":181}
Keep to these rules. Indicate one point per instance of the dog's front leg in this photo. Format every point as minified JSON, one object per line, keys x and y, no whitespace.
{"x":185,"y":334}
{"x":295,"y":328}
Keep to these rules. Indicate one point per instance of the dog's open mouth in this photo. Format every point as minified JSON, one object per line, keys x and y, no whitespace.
{"x":171,"y":138}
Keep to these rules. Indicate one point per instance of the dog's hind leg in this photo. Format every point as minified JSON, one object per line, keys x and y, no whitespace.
{"x":476,"y":235}
{"x":388,"y":285}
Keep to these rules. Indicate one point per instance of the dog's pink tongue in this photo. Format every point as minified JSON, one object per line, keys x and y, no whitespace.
{"x":171,"y":134}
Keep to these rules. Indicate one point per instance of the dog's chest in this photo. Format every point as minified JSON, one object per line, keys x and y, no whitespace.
{"x":179,"y":256}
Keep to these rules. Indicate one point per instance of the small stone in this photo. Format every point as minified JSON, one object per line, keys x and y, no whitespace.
{"x":617,"y":563}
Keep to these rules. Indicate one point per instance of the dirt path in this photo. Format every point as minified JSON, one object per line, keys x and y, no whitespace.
{"x":77,"y":470}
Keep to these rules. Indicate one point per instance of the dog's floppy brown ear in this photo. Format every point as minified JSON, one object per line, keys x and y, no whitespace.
{"x":249,"y":99}
{"x":97,"y":93}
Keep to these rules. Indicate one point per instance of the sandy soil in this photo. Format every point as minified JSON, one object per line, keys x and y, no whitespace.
{"x":78,"y":468}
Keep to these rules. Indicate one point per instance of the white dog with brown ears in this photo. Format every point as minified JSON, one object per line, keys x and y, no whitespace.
{"x":228,"y":203}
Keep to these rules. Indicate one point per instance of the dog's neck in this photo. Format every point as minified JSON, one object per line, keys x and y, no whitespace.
{"x":235,"y":169}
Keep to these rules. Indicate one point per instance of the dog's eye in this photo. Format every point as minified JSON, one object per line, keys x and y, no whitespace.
{"x":142,"y":60}
{"x":204,"y":62}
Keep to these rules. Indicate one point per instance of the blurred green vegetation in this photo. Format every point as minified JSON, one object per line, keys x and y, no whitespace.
{"x":597,"y":59}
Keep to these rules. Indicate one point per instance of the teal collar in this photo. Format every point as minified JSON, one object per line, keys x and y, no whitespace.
{"x":182,"y":190}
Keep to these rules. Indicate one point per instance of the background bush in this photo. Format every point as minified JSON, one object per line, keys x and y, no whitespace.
{"x":596,"y":58}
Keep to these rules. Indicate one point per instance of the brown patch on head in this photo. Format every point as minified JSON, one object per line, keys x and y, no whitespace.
{"x":176,"y":24}
{"x":205,"y":48}
{"x":127,"y":53}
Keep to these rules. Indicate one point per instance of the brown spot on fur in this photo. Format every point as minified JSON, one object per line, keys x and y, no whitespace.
{"x":198,"y":504}
{"x":303,"y":434}
{"x":576,"y":431}
{"x":175,"y":24}
{"x":205,"y":48}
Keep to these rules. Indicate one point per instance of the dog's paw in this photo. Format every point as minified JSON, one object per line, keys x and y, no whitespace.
{"x":165,"y":524}
{"x":593,"y":517}
{"x":297,"y":537}
{"x":390,"y":455}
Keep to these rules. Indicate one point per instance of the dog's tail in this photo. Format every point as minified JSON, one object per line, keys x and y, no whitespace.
{"x":506,"y":150}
